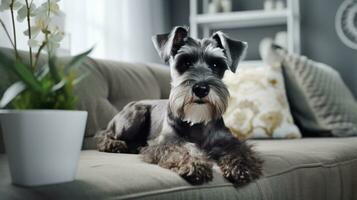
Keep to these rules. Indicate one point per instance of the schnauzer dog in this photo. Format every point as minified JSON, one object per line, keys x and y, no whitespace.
{"x":186,"y":133}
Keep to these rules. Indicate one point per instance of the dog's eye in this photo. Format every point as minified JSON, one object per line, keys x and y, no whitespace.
{"x":188,"y":64}
{"x":185,"y":65}
{"x":215,"y":63}
{"x":184,"y":62}
{"x":217,"y":66}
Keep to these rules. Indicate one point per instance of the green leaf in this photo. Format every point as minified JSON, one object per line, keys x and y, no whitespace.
{"x":22,"y":71}
{"x":80,"y":78}
{"x":41,"y":72}
{"x":26,"y":76}
{"x":11,"y":93}
{"x":76,"y":61}
{"x":59,"y":85}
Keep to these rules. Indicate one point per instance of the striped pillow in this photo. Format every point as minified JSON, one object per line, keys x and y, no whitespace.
{"x":320,"y":101}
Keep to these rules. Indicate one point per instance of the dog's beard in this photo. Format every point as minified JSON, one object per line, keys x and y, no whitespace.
{"x":184,"y":105}
{"x":197,"y":113}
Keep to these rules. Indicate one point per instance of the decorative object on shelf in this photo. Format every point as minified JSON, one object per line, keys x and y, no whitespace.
{"x":279,"y":5}
{"x":266,"y":54}
{"x":281,"y":38}
{"x":42,"y":132}
{"x":214,"y":6}
{"x":346,"y":23}
{"x":268,"y":5}
{"x":226,"y":5}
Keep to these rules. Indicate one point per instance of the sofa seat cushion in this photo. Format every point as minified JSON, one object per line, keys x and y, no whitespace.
{"x":294,"y":169}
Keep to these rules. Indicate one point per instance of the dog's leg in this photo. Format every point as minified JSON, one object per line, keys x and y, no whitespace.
{"x":125,"y":127}
{"x":184,"y":159}
{"x":240,"y":165}
{"x":238,"y":162}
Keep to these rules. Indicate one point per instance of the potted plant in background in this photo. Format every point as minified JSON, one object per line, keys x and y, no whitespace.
{"x":42,"y":132}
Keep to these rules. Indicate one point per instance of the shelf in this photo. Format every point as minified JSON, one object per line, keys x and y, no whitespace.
{"x":243,"y":19}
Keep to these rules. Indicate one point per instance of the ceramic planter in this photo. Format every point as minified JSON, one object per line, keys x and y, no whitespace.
{"x":42,"y":146}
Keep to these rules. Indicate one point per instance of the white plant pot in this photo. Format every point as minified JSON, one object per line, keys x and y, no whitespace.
{"x":42,"y":146}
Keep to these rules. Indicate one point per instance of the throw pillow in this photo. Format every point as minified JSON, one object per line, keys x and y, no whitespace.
{"x":258,"y":107}
{"x":320,"y":101}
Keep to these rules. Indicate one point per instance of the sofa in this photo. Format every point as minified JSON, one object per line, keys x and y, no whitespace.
{"x":299,"y":169}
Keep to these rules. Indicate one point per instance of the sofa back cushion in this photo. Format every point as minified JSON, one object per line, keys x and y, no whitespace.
{"x":111,"y":85}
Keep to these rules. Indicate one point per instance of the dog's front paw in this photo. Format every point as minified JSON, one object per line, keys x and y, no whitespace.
{"x":196,"y":170}
{"x":112,"y":146}
{"x":240,"y":171}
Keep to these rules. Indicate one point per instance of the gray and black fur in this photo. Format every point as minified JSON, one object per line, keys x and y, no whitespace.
{"x":187,"y":133}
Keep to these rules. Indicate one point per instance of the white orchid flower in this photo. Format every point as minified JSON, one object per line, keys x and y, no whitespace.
{"x":54,"y":7}
{"x":45,"y":16}
{"x":22,"y":12}
{"x":5,"y":4}
{"x":56,"y":37}
{"x":42,"y":23}
{"x":35,"y":30}
{"x":48,"y":9}
{"x":33,"y":43}
{"x":56,"y":23}
{"x":46,"y":20}
{"x":54,"y":40}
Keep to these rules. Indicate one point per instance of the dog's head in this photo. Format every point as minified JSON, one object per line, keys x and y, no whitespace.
{"x":197,"y":68}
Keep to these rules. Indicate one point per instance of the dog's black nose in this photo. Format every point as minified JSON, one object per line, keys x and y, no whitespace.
{"x":200,"y":90}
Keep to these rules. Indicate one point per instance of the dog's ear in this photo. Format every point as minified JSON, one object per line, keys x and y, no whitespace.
{"x":168,"y":44}
{"x":234,"y":49}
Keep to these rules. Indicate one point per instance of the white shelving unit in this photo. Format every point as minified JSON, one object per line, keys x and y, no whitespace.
{"x":242,"y":19}
{"x":251,"y":18}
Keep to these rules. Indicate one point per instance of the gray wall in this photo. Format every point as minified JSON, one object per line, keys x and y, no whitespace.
{"x":319,"y":40}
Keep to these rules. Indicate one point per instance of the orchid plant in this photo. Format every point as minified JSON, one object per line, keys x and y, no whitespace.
{"x":46,"y":86}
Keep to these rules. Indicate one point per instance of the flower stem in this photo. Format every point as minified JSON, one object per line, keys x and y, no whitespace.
{"x":14,"y":27}
{"x":37,"y":57}
{"x":46,"y":34}
{"x":29,"y":28}
{"x":44,"y":43}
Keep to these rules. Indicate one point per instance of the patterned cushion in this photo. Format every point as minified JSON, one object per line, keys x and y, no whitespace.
{"x":321,"y":103}
{"x":258,"y":106}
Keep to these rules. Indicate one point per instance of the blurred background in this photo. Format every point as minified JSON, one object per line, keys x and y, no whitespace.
{"x":122,"y":29}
